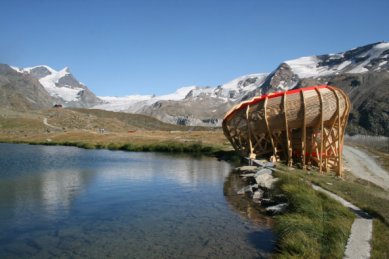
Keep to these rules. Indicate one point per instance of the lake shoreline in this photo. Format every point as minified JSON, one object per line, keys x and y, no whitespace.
{"x":196,"y":148}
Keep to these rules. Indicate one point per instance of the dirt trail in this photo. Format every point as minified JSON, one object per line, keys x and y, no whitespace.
{"x":365,"y":167}
{"x":49,"y":125}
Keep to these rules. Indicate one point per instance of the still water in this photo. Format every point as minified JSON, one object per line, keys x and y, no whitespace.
{"x":70,"y":202}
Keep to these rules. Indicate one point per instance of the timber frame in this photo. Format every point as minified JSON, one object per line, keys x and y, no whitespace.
{"x":304,"y":126}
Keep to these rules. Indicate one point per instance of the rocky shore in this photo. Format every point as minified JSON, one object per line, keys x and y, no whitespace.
{"x":260,"y":186}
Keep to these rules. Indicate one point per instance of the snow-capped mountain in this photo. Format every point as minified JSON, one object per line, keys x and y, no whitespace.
{"x":62,"y":86}
{"x":134,"y":103}
{"x":290,"y":74}
{"x":361,"y":72}
{"x":21,"y":91}
{"x":231,"y":91}
{"x":373,"y":57}
{"x":191,"y":105}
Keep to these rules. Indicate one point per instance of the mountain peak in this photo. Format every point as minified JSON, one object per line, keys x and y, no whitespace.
{"x":62,"y":85}
{"x":65,"y":70}
{"x":372,"y":57}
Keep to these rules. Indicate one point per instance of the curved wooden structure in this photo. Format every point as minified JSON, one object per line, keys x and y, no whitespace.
{"x":304,"y":126}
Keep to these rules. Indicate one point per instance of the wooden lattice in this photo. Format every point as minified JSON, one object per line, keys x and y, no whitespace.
{"x":301,"y":126}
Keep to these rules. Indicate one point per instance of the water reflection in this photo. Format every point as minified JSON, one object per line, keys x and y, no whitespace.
{"x":243,"y":204}
{"x":49,"y":193}
{"x":57,"y":201}
{"x":59,"y":189}
{"x":185,"y":171}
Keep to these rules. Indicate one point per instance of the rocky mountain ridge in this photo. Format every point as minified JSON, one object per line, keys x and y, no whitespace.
{"x":369,"y":58}
{"x":192,"y":105}
{"x":362,"y":72}
{"x":62,"y":86}
{"x":21,"y":91}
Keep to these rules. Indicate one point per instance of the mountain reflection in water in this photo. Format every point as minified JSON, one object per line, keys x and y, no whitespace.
{"x":63,"y":201}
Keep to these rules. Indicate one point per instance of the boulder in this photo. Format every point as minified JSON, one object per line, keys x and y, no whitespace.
{"x":261,"y":162}
{"x":247,"y":169}
{"x":264,"y":163}
{"x":248,"y":188}
{"x":269,"y":164}
{"x":277,"y":209}
{"x":258,"y":194}
{"x":262,"y":171}
{"x":247,"y":175}
{"x":266,"y":180}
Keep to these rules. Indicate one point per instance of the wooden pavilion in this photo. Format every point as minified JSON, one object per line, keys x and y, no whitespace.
{"x":304,"y":126}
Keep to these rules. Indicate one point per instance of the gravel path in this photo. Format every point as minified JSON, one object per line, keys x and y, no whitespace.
{"x":365,"y":167}
{"x":358,"y":244}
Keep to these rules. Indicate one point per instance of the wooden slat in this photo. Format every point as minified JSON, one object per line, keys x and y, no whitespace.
{"x":321,"y":131}
{"x":337,"y":142}
{"x":268,"y":127}
{"x":252,"y":155}
{"x":289,"y":148}
{"x":304,"y":137}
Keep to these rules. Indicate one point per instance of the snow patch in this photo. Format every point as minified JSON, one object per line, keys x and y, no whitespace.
{"x":180,"y":94}
{"x":309,"y":66}
{"x":112,"y":103}
{"x":373,"y":53}
{"x":344,"y":64}
{"x":229,"y":91}
{"x":133,"y":103}
{"x":49,"y":82}
{"x":305,"y":66}
{"x":234,"y":83}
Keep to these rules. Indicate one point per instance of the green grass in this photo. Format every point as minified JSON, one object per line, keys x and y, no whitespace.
{"x":315,"y":226}
{"x":380,"y":242}
{"x":135,"y":120}
{"x":166,"y":147}
{"x":366,"y":196}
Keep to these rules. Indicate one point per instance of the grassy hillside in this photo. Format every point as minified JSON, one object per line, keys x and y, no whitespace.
{"x":81,"y":127}
{"x":85,"y":119}
{"x":134,"y":120}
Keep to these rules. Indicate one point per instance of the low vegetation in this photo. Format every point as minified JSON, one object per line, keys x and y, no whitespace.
{"x":380,"y":242}
{"x":364,"y":194}
{"x":133,"y":121}
{"x":102,"y":129}
{"x":158,"y":141}
{"x":375,"y":146}
{"x":314,"y":226}
{"x":368,"y":197}
{"x":377,"y":142}
{"x":159,"y":147}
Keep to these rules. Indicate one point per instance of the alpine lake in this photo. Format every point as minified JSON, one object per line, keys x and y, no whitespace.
{"x":71,"y":202}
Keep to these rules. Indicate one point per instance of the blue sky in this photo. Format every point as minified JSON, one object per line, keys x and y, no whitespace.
{"x":156,"y":46}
